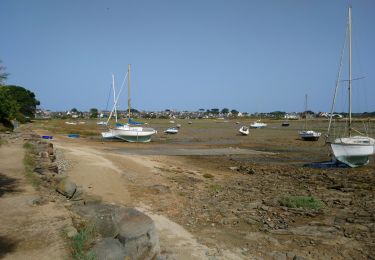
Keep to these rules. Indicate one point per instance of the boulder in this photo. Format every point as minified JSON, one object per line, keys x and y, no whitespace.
{"x":138,"y":235}
{"x":134,"y":230}
{"x":67,"y":188}
{"x":104,"y":217}
{"x":70,"y":231}
{"x":108,"y":249}
{"x":43,"y":154}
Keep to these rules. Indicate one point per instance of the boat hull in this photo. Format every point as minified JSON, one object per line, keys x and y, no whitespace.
{"x":309,"y":135}
{"x":134,"y":136}
{"x":258,"y":125}
{"x":108,"y":135}
{"x":244,"y":130}
{"x":171,"y":131}
{"x":353,"y":151}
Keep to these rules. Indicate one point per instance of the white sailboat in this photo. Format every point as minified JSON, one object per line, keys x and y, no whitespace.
{"x":109,"y":134}
{"x":351,"y":150}
{"x":258,"y":124}
{"x":308,"y":135}
{"x":244,"y":130}
{"x":171,"y":130}
{"x":130,"y":133}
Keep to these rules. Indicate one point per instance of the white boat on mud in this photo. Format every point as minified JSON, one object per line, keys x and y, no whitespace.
{"x":171,"y":130}
{"x":354,"y":151}
{"x":258,"y":124}
{"x":132,"y":131}
{"x":309,"y":135}
{"x":244,"y":130}
{"x":133,"y":134}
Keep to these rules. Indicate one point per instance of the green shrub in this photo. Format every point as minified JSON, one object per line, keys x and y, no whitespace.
{"x":82,"y":242}
{"x":301,"y":202}
{"x":28,"y":146}
{"x":216,"y":187}
{"x":208,"y":176}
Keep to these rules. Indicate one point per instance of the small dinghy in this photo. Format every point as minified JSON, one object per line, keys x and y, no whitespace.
{"x":47,"y":137}
{"x":73,"y":135}
{"x":171,"y":130}
{"x":244,"y":130}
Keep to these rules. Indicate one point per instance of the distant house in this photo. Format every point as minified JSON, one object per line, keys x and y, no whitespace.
{"x":291,"y":116}
{"x":327,"y":115}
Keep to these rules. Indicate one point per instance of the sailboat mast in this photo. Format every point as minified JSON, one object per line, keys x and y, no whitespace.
{"x":305,"y":112}
{"x":129,"y":104}
{"x":114,"y":95}
{"x":350,"y":72}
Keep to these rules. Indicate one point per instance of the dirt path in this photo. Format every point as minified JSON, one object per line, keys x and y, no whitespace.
{"x":30,"y":226}
{"x":122,"y":179}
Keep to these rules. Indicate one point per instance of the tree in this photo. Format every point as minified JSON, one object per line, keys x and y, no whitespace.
{"x":278,"y":114}
{"x":234,"y":112}
{"x":3,"y":74}
{"x":9,"y":109}
{"x":25,"y":100}
{"x":74,"y":110}
{"x":215,"y":111}
{"x":225,"y":111}
{"x":94,"y":113}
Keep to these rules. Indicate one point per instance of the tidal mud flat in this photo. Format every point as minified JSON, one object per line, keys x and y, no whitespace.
{"x":234,"y":201}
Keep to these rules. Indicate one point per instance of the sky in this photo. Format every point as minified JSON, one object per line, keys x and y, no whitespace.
{"x":248,"y":55}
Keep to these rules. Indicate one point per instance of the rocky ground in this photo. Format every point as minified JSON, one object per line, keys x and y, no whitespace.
{"x":229,"y":205}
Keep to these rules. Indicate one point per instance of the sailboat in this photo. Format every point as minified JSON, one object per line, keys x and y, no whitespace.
{"x":244,"y":130}
{"x":109,"y":134}
{"x":354,"y":151}
{"x":128,"y":132}
{"x":308,"y":135}
{"x":258,"y":124}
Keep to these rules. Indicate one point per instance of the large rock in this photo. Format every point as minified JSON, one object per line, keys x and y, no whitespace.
{"x":104,"y":217}
{"x":67,"y":188}
{"x":108,"y":249}
{"x":138,"y":235}
{"x":134,"y":230}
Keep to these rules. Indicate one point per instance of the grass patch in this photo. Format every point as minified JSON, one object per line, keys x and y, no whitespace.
{"x":216,"y":187}
{"x":82,"y":242}
{"x":29,"y":164}
{"x":28,"y":146}
{"x":2,"y":141}
{"x":208,"y":176}
{"x":301,"y":202}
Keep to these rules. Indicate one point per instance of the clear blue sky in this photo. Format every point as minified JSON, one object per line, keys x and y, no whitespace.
{"x":253,"y":56}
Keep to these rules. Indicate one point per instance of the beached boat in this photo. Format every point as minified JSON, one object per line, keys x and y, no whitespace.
{"x":133,"y":134}
{"x":285,"y":123}
{"x":132,"y":131}
{"x":73,"y":135}
{"x":109,"y":134}
{"x":171,"y":130}
{"x":308,"y":135}
{"x":244,"y":130}
{"x":258,"y":124}
{"x":354,"y":151}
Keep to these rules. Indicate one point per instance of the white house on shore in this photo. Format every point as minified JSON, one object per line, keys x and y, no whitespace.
{"x":291,"y":116}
